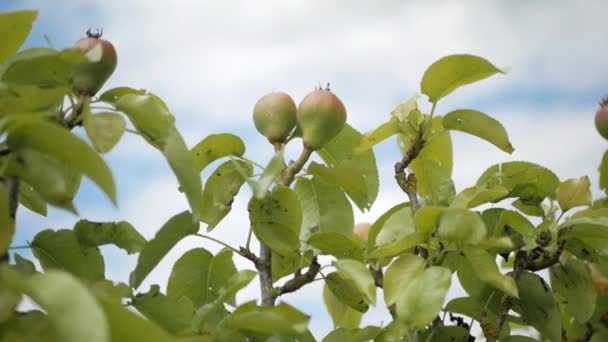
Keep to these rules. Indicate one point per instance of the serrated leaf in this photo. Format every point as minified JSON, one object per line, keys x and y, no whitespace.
{"x":336,"y":244}
{"x":346,"y":292}
{"x":485,"y":266}
{"x":60,"y":250}
{"x":121,"y":234}
{"x":6,"y":221}
{"x":480,"y":125}
{"x":356,"y":273}
{"x":452,"y":72}
{"x":173,"y":315}
{"x":269,"y":175}
{"x":381,"y":133}
{"x":461,"y":226}
{"x":104,"y":129}
{"x":340,"y":149}
{"x":398,"y":274}
{"x":574,"y":193}
{"x":173,"y":231}
{"x":538,"y":305}
{"x":325,"y":209}
{"x":152,"y":119}
{"x":572,"y":280}
{"x":216,"y":146}
{"x":341,"y":314}
{"x":61,"y":144}
{"x":14,"y":28}
{"x":75,"y":313}
{"x":280,"y":319}
{"x":421,"y":299}
{"x":220,"y":189}
{"x":31,"y":199}
{"x":345,"y":175}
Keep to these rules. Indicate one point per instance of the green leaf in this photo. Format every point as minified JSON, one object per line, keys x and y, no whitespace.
{"x":284,"y":265}
{"x":14,"y":29}
{"x":477,"y":195}
{"x":221,"y":270}
{"x":30,"y":325}
{"x":24,"y":266}
{"x":426,"y":219}
{"x":280,"y":319}
{"x":574,"y":193}
{"x":398,"y":247}
{"x":445,"y":333}
{"x":394,"y":225}
{"x":220,"y":189}
{"x":61,"y":144}
{"x":438,"y":145}
{"x":73,"y":310}
{"x":340,"y":149}
{"x":341,"y":314}
{"x":325,"y":209}
{"x":603,"y":169}
{"x":381,"y":133}
{"x":530,"y":182}
{"x":270,"y":174}
{"x":461,"y":226}
{"x":346,"y":292}
{"x":6,"y":221}
{"x":538,"y":306}
{"x":177,"y":228}
{"x":480,"y":125}
{"x":345,"y":175}
{"x":31,"y":199}
{"x":49,"y":178}
{"x":190,"y":273}
{"x":173,"y":315}
{"x":421,"y":299}
{"x":60,"y":250}
{"x":337,"y":245}
{"x":356,"y":273}
{"x":510,"y":220}
{"x":434,"y":182}
{"x":25,"y":98}
{"x":112,"y":96}
{"x":572,"y":281}
{"x":586,"y":228}
{"x":156,"y":124}
{"x":104,"y":129}
{"x":485,"y":266}
{"x":452,"y":72}
{"x":398,"y":275}
{"x":216,"y":146}
{"x":121,"y":234}
{"x":368,"y":333}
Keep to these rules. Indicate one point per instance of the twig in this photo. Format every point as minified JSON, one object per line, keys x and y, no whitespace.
{"x":298,"y":281}
{"x":408,"y":183}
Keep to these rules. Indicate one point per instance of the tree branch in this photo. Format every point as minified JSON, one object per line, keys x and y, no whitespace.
{"x":408,"y":183}
{"x":300,"y":280}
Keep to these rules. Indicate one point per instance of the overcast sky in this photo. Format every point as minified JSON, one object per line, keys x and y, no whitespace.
{"x":211,"y":60}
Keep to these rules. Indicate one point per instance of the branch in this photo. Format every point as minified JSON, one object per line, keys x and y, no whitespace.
{"x":408,"y":183}
{"x":300,"y":280}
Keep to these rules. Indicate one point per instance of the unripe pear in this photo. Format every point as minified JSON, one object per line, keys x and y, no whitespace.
{"x":362,"y":230}
{"x":274,"y":116}
{"x":321,"y":116}
{"x":88,"y":78}
{"x":601,"y":118}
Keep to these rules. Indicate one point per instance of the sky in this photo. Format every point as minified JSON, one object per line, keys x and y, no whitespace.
{"x":211,"y":61}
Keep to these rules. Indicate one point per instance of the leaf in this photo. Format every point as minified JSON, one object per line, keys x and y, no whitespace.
{"x":587,"y":228}
{"x":73,"y":310}
{"x":355,"y":272}
{"x":421,"y":299}
{"x":538,"y":306}
{"x":394,"y":225}
{"x":426,"y":219}
{"x":485,"y":266}
{"x":7,"y":222}
{"x":445,"y":333}
{"x":60,"y":250}
{"x":284,"y":265}
{"x":173,"y":315}
{"x":398,"y":275}
{"x":220,"y":189}
{"x":341,"y":314}
{"x":574,"y":193}
{"x":346,"y":292}
{"x":530,"y":182}
{"x":325,"y":209}
{"x":480,"y":125}
{"x":189,"y":275}
{"x":31,"y":199}
{"x":280,"y":319}
{"x":270,"y":174}
{"x":437,"y":146}
{"x":216,"y":146}
{"x":572,"y":281}
{"x":477,"y":195}
{"x":26,"y":98}
{"x":603,"y":169}
{"x":345,"y":175}
{"x":452,"y":72}
{"x":104,"y":129}
{"x":121,"y":234}
{"x":173,"y":231}
{"x":221,"y":270}
{"x":340,"y":149}
{"x":368,"y":333}
{"x":337,"y":245}
{"x":461,"y":226}
{"x":398,"y":247}
{"x":112,"y":96}
{"x":156,"y":124}
{"x":14,"y":29}
{"x":381,"y":133}
{"x":434,"y":183}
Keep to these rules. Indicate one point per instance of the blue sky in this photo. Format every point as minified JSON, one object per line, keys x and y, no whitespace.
{"x":210,"y":61}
